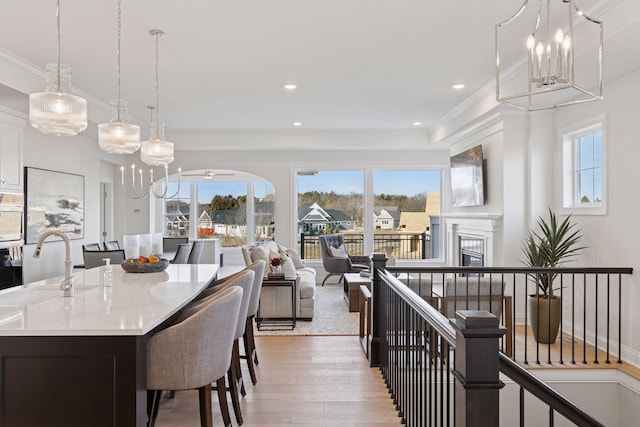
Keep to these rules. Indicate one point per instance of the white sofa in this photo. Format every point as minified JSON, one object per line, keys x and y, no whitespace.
{"x":276,"y":302}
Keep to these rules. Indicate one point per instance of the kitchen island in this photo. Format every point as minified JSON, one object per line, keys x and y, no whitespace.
{"x":81,"y":360}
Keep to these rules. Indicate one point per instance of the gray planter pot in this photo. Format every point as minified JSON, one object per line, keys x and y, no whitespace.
{"x":544,"y":318}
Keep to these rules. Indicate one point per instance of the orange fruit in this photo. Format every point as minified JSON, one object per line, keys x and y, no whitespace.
{"x":153,"y":258}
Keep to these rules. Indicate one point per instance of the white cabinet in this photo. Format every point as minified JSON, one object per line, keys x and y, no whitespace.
{"x":11,"y":134}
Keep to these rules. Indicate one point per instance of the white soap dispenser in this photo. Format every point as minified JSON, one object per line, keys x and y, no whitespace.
{"x":106,"y":275}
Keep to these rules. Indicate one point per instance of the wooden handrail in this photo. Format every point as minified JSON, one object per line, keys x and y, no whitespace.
{"x":546,"y":394}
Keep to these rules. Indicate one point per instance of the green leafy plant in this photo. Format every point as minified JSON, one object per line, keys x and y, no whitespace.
{"x":553,"y":244}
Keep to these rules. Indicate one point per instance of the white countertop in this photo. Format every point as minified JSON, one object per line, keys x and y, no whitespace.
{"x":134,"y":305}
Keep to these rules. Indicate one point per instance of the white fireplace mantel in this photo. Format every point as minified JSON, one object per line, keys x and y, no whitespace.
{"x":485,"y":226}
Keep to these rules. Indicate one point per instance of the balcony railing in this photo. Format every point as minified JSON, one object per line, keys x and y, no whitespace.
{"x":405,"y":246}
{"x":414,"y":343}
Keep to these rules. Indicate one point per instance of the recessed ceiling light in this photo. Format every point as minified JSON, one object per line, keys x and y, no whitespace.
{"x":290,"y":86}
{"x":458,"y":86}
{"x":297,"y":123}
{"x":417,"y":123}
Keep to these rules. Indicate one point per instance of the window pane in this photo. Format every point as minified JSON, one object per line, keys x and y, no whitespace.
{"x":264,"y":210}
{"x":404,"y":201}
{"x":586,"y":187}
{"x":597,"y":149}
{"x":597,"y":185}
{"x":586,"y":152}
{"x":176,"y":212}
{"x":330,"y":202}
{"x":222,"y":212}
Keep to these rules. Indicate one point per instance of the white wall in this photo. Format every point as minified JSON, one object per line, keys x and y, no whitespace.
{"x":611,"y":239}
{"x":78,"y":155}
{"x":528,"y":147}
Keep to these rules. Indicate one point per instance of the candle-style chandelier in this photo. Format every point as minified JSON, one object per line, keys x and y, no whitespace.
{"x":545,"y":72}
{"x":156,"y":151}
{"x":142,"y":192}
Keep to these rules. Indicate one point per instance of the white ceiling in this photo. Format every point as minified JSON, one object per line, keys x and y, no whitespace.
{"x":359,"y":64}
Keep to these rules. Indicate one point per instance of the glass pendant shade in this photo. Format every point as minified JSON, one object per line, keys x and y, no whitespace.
{"x":56,"y":111}
{"x":117,"y":136}
{"x":156,"y":151}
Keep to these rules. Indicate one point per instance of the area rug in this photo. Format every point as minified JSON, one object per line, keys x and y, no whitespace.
{"x":331,"y":316}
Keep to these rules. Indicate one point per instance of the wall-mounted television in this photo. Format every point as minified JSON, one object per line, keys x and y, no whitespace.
{"x":467,"y":178}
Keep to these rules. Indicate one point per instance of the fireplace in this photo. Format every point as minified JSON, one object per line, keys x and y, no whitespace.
{"x":471,"y":251}
{"x":473,"y":239}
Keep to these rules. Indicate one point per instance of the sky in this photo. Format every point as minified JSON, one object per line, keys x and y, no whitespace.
{"x":408,"y":183}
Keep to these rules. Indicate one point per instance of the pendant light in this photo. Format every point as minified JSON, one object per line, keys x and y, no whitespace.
{"x":545,"y":74}
{"x":156,"y":151}
{"x":118,"y":136}
{"x":56,"y":111}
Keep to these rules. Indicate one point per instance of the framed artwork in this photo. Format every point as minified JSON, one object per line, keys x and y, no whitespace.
{"x":54,"y":200}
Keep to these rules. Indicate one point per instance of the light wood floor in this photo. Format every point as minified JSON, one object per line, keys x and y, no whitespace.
{"x":544,"y":353}
{"x":302,"y":380}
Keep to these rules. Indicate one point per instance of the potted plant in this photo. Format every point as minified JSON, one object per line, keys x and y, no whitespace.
{"x":552,"y":245}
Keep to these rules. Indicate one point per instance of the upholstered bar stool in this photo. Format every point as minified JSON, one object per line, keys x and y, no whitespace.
{"x":251,"y":355}
{"x":194,"y":352}
{"x":243,"y":279}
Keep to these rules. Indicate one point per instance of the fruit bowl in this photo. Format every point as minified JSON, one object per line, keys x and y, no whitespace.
{"x":132,"y":266}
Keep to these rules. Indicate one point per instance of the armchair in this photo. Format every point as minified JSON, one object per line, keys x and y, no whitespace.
{"x":335,"y":259}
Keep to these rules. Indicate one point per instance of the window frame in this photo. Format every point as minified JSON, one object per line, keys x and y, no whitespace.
{"x":368,"y":194}
{"x":569,"y":168}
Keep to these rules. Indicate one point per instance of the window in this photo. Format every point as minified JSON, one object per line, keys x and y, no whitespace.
{"x":264,"y":199}
{"x":234,"y":207}
{"x":330,"y":202}
{"x":403,"y":203}
{"x":583,"y":170}
{"x":222,"y":212}
{"x":177,"y":211}
{"x":393,"y":216}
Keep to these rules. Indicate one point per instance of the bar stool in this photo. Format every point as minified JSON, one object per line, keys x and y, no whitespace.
{"x":194,"y":352}
{"x":251,"y":354}
{"x":243,"y":279}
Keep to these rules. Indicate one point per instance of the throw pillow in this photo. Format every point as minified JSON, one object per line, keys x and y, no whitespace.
{"x":259,"y":253}
{"x":295,"y":258}
{"x":288,"y":268}
{"x":339,"y":252}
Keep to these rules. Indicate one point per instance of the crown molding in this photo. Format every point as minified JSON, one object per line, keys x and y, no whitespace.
{"x":27,"y":78}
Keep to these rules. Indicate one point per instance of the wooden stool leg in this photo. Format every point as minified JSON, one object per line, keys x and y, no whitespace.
{"x":206,"y":417}
{"x":235,"y":360}
{"x":233,"y":385}
{"x":249,"y":349}
{"x":222,"y":399}
{"x":153,"y":401}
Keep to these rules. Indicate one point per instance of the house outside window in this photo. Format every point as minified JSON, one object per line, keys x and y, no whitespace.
{"x":583,"y":167}
{"x":177,"y":211}
{"x":236,"y":211}
{"x":397,"y":219}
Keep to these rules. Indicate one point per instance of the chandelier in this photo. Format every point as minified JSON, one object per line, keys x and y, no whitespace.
{"x":55,"y":111}
{"x":156,"y":151}
{"x":545,"y":72}
{"x":142,"y":192}
{"x":118,"y":136}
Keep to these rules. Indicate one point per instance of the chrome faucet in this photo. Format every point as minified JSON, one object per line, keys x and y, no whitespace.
{"x":67,"y":283}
